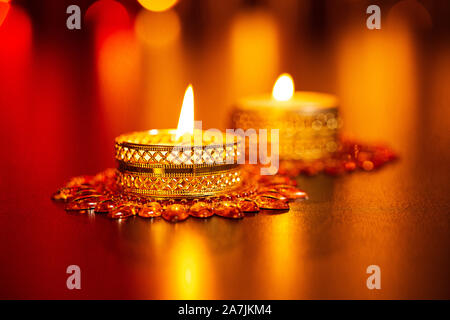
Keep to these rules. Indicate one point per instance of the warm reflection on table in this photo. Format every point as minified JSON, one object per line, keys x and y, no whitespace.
{"x":60,"y":112}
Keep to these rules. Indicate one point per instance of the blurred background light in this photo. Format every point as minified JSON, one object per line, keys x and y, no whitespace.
{"x":410,"y":12}
{"x":15,"y":36}
{"x":119,"y":78}
{"x":370,"y":80}
{"x":157,"y":29}
{"x":157,"y":5}
{"x":188,"y":271}
{"x":254,"y":52}
{"x":107,"y":17}
{"x":4,"y":8}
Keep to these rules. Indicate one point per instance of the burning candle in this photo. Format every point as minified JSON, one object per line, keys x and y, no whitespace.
{"x":308,"y":121}
{"x":182,"y":162}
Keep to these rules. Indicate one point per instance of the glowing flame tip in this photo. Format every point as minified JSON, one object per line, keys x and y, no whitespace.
{"x":283,"y":89}
{"x":186,"y":120}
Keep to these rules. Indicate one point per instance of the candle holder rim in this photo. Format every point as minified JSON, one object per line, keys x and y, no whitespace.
{"x":260,"y":102}
{"x":166,"y":146}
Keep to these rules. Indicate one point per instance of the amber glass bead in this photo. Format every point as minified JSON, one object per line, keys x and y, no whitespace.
{"x":83,"y":203}
{"x":228,"y":209}
{"x":122,"y":212}
{"x":350,"y":166}
{"x":105,"y":206}
{"x":291,"y":193}
{"x":248,"y":206}
{"x":175,"y":213}
{"x":64,"y":194}
{"x":273,"y":194}
{"x":201,"y":209}
{"x":367,"y":165}
{"x":150,"y":210}
{"x":270,"y":203}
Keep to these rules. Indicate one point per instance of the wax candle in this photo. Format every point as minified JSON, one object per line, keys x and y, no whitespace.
{"x":181,"y":162}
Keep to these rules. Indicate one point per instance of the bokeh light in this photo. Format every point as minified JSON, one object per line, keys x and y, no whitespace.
{"x":373,"y":76}
{"x":4,"y":8}
{"x":188,"y":269}
{"x":15,"y":33}
{"x":254,"y":52}
{"x":157,"y":5}
{"x":410,"y":12}
{"x":118,"y":73}
{"x":157,"y":29}
{"x":107,"y":17}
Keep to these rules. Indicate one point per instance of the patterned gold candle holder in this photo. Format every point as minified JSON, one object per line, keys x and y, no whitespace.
{"x":309,"y":122}
{"x":153,"y":163}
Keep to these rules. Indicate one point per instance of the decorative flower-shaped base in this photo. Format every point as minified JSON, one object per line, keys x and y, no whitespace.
{"x":103,"y":195}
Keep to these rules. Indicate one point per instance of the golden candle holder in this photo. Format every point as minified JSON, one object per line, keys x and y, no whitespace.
{"x":175,"y":174}
{"x":308,"y":122}
{"x":303,"y":135}
{"x":151,"y":163}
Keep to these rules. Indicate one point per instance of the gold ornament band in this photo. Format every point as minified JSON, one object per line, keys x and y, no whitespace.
{"x":179,"y":186}
{"x":302,"y":136}
{"x":145,"y":149}
{"x":174,"y":171}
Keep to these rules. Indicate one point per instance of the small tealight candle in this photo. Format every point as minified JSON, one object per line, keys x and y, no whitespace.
{"x":308,"y":121}
{"x":183,"y":162}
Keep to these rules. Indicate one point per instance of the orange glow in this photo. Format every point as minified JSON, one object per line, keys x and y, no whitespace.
{"x":157,"y":5}
{"x":189,"y":269}
{"x":283,"y":90}
{"x":157,"y":29}
{"x":4,"y":8}
{"x":411,"y":13}
{"x":254,"y":52}
{"x":107,"y":17}
{"x":282,"y":264}
{"x":372,"y":76}
{"x":15,"y":34}
{"x":186,"y":120}
{"x":16,"y":53}
{"x":117,"y":59}
{"x":118,"y":72}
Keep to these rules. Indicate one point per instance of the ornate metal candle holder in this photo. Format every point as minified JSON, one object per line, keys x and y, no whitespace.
{"x":149,"y":163}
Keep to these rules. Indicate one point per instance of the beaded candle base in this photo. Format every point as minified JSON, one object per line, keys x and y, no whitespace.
{"x":101,"y":194}
{"x":150,"y":163}
{"x":350,"y":156}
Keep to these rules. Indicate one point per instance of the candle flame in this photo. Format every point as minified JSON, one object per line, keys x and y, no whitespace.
{"x":283,"y":89}
{"x":186,"y":120}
